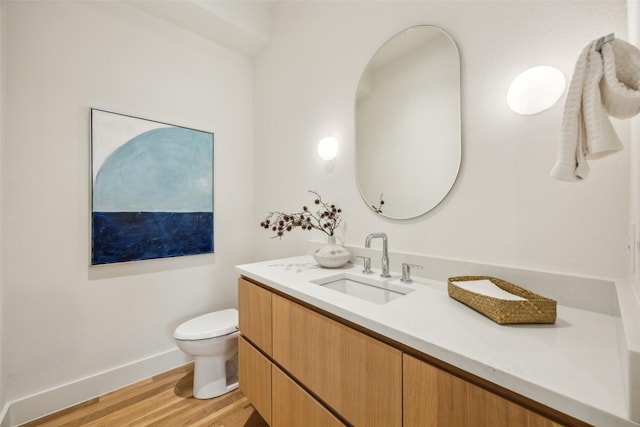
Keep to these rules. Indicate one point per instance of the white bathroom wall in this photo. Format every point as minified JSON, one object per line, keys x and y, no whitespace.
{"x":504,"y":208}
{"x":633,"y":7}
{"x":2,"y":394}
{"x":63,"y":321}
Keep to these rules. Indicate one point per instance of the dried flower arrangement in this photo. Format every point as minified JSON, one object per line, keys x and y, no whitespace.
{"x":326,"y":219}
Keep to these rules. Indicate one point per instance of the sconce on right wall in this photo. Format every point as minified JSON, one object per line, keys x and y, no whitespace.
{"x":536,"y":90}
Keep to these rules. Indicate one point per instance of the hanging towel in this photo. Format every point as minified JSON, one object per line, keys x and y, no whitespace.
{"x":604,"y":84}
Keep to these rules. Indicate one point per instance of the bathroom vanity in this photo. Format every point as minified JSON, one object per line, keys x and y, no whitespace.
{"x":314,"y":352}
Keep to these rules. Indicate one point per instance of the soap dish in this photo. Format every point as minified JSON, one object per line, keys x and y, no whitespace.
{"x":528,"y":308}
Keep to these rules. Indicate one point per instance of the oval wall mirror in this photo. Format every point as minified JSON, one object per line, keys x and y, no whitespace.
{"x":407,"y":113}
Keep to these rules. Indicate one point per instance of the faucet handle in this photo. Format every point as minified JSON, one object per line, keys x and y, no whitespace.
{"x":366,"y":264}
{"x":406,"y":272}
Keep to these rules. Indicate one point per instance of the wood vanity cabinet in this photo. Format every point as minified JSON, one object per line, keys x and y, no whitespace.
{"x":254,"y":314}
{"x":294,"y":407}
{"x":433,"y":397}
{"x":356,"y":375}
{"x":255,"y":378}
{"x":342,"y":371}
{"x":300,"y":367}
{"x":254,"y":321}
{"x":277,"y":398}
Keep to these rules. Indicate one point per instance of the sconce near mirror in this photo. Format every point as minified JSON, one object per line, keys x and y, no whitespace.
{"x":535,"y":90}
{"x":407,"y":113}
{"x":328,"y":148}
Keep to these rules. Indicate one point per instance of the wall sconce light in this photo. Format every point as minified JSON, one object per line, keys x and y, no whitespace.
{"x":328,"y":148}
{"x":535,"y":90}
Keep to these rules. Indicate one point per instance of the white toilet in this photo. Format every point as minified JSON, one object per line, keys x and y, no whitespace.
{"x":212,"y":339}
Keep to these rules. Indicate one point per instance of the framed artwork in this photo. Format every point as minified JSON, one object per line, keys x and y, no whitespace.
{"x":151,"y":189}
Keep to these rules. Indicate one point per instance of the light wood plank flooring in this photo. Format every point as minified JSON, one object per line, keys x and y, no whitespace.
{"x":163,"y":400}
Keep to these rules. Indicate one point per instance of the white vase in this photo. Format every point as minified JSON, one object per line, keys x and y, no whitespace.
{"x":332,"y":255}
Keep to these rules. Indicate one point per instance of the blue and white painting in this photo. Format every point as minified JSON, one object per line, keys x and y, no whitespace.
{"x":152,"y":189}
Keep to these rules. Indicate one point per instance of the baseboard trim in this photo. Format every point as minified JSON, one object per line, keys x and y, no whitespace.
{"x":4,"y":417}
{"x":40,"y":404}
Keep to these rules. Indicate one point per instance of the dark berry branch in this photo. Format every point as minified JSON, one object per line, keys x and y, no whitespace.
{"x":326,"y":219}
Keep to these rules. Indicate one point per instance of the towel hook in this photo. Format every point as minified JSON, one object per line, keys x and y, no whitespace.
{"x":602,"y":40}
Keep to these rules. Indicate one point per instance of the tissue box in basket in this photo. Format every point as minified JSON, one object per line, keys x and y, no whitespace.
{"x":532,"y":308}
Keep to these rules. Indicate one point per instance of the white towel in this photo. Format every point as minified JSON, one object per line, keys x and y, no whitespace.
{"x":603,"y":84}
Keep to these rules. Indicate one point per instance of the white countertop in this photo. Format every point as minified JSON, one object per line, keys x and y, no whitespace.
{"x":573,"y":366}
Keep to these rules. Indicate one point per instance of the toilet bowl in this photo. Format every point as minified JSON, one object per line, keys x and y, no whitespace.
{"x":212,"y":339}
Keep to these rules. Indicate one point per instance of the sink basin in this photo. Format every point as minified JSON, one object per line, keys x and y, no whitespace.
{"x":369,"y":289}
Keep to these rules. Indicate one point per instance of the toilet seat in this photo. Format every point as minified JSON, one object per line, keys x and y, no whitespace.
{"x":210,"y":325}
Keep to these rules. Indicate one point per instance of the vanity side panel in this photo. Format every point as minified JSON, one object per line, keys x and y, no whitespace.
{"x":433,"y":397}
{"x":358,"y":376}
{"x":294,"y":407}
{"x":254,"y":311}
{"x":255,"y":378}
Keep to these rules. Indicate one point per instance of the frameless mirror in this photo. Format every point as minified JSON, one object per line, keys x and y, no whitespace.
{"x":407,"y":113}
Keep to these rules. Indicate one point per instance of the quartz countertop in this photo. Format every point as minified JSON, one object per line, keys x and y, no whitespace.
{"x":573,"y":366}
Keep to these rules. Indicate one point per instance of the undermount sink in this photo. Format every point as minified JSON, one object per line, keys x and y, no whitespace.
{"x":369,"y":289}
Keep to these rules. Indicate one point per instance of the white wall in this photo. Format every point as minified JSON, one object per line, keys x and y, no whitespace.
{"x":2,"y":396}
{"x":634,"y":38}
{"x":504,"y":207}
{"x":62,"y":320}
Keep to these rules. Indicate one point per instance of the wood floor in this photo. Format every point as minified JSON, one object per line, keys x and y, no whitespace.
{"x":163,"y":400}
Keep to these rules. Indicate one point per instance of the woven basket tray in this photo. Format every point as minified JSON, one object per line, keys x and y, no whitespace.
{"x":533,"y":309}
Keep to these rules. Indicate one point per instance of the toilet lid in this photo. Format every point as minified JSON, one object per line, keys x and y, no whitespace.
{"x":209,"y":325}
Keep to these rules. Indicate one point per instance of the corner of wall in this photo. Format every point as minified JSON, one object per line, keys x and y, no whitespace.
{"x":633,"y":25}
{"x":2,"y":382}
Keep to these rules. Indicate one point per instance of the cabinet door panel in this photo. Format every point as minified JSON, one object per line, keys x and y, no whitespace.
{"x":254,"y":311}
{"x":254,"y":372}
{"x":433,"y":397}
{"x":358,"y":376}
{"x":294,"y":407}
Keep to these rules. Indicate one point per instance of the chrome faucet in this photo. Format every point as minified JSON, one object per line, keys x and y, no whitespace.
{"x":385,"y":253}
{"x":406,"y":272}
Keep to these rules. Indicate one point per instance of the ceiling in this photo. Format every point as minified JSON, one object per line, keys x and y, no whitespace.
{"x":244,"y":26}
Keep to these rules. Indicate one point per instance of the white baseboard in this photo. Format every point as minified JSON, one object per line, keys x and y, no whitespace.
{"x":56,"y":399}
{"x":4,"y":418}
